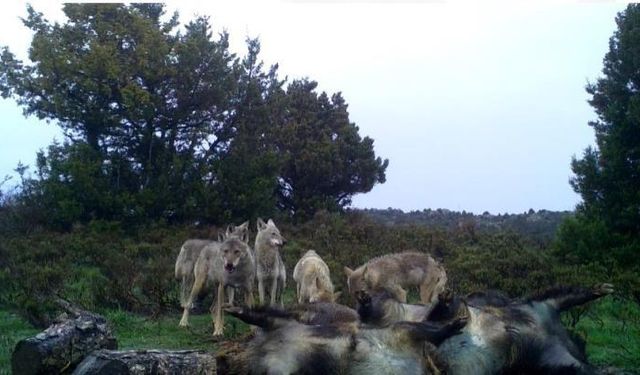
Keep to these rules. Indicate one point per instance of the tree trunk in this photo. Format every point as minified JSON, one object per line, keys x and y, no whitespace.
{"x":148,"y":362}
{"x":62,"y":345}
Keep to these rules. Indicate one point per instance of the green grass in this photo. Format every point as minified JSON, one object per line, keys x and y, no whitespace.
{"x":12,"y":329}
{"x":137,"y":332}
{"x":612,"y":330}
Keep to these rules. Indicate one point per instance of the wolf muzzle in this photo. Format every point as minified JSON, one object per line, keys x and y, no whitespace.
{"x":229,"y":267}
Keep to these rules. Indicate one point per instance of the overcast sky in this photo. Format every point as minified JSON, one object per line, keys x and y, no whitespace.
{"x":478,"y":107}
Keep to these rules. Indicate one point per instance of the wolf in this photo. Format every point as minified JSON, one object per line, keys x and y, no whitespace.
{"x":189,"y":252}
{"x":286,"y":346}
{"x":313,"y":282}
{"x":271,"y":272}
{"x":395,"y":271}
{"x":227,"y":264}
{"x":381,"y":309}
{"x":517,"y":337}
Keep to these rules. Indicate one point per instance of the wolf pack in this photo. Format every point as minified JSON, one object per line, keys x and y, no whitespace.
{"x":480,"y":333}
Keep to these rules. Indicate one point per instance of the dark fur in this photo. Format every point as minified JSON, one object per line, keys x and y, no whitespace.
{"x":288,"y":346}
{"x":518,"y":337}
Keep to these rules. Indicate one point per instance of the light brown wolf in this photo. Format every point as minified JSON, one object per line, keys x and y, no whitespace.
{"x":227,"y":264}
{"x":393,"y":272}
{"x":189,"y":252}
{"x":270,"y":271}
{"x":313,"y":283}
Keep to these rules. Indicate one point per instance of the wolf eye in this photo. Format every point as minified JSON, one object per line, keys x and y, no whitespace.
{"x":237,"y":252}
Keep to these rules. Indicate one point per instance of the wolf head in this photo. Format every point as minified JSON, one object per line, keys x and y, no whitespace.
{"x":233,"y":250}
{"x":356,"y":280}
{"x":269,"y":234}
{"x":319,"y":294}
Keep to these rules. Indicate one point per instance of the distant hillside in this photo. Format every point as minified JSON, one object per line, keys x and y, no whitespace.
{"x":539,"y":226}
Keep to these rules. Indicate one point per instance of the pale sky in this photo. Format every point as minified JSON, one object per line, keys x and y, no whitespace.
{"x":478,"y":107}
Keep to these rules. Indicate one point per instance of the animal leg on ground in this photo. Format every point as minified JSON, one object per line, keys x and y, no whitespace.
{"x":195,"y":291}
{"x":427,"y":292}
{"x":231,"y":291}
{"x":273,"y":293}
{"x":399,"y":293}
{"x":280,"y":290}
{"x":218,"y":319}
{"x":248,"y":294}
{"x":261,"y":290}
{"x":185,"y":289}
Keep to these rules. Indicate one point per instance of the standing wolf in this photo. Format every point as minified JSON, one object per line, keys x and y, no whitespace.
{"x":271,"y":272}
{"x":392,"y":272}
{"x":188,"y":256}
{"x":311,"y":275}
{"x":227,"y":264}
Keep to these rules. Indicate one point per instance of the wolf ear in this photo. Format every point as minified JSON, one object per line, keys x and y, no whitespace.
{"x":271,"y":223}
{"x":245,"y":237}
{"x":243,"y":226}
{"x":336,"y":296}
{"x":348,"y":271}
{"x":221,"y":237}
{"x":228,"y":231}
{"x":260,"y":224}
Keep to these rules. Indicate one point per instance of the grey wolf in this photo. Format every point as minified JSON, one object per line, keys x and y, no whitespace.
{"x":286,"y":346}
{"x":227,"y":264}
{"x":514,"y":337}
{"x":270,"y":272}
{"x":393,"y":272}
{"x":380,"y":308}
{"x":189,"y":252}
{"x":313,"y":282}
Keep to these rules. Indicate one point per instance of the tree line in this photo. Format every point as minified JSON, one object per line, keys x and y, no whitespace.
{"x":166,"y":123}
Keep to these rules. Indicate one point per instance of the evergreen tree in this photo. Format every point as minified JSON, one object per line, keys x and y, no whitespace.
{"x":325,"y":161}
{"x":607,"y":223}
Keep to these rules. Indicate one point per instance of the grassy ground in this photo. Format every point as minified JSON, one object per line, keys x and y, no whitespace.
{"x":611,"y":328}
{"x":612,"y":331}
{"x":12,"y":329}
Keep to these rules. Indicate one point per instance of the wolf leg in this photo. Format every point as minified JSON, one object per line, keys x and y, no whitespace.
{"x":231,"y":291}
{"x":248,"y":294}
{"x":261,"y":290}
{"x":399,"y":294}
{"x":218,"y":319}
{"x":274,"y":290}
{"x":195,"y":290}
{"x":279,"y":291}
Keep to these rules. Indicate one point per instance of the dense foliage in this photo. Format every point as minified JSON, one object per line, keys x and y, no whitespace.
{"x":167,"y":123}
{"x":606,"y":227}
